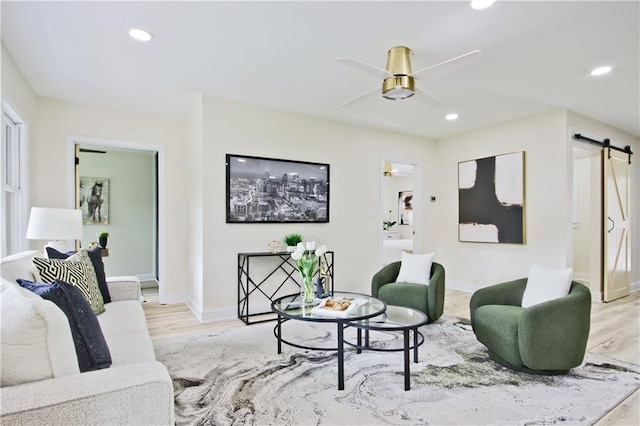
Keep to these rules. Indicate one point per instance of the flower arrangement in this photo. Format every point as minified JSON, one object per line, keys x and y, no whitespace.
{"x":306,"y":257}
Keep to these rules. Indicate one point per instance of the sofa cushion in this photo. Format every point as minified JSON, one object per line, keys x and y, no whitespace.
{"x":95,"y":254}
{"x":131,"y":348}
{"x":91,"y":348}
{"x":415,"y":268}
{"x":36,"y":339}
{"x":125,"y":329}
{"x":544,"y":284}
{"x":77,"y":270}
{"x":20,"y":265}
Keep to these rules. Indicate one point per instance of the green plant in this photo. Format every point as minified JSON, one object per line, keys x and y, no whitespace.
{"x":292,"y":239}
{"x":103,"y":234}
{"x":388,"y":224}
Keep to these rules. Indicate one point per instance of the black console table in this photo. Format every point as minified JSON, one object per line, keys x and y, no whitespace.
{"x":278,"y":278}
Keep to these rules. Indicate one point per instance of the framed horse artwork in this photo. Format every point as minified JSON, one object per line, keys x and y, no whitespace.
{"x":94,"y":200}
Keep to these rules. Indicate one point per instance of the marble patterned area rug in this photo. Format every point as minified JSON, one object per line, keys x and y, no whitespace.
{"x":236,"y":377}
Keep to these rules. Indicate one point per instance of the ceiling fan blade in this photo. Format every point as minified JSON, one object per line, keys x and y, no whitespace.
{"x":423,"y":96}
{"x":362,"y":66}
{"x":447,"y":66}
{"x":359,"y":98}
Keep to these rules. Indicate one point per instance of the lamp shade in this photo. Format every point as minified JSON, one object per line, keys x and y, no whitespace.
{"x":54,"y":224}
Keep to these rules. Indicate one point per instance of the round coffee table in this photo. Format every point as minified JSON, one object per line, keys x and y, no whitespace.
{"x":288,"y":308}
{"x":395,"y":318}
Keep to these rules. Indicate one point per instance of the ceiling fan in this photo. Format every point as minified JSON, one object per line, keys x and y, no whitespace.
{"x":399,"y":80}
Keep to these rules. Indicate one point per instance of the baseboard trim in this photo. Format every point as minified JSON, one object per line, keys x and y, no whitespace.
{"x":171,"y":299}
{"x":220,"y":314}
{"x":577,"y":276}
{"x":467,"y":287}
{"x":147,"y":277}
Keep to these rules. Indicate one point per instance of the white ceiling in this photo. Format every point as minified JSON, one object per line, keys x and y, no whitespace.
{"x":536,"y":57}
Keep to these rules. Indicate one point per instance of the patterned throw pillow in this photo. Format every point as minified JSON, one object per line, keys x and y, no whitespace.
{"x":95,"y":254}
{"x":77,"y":270}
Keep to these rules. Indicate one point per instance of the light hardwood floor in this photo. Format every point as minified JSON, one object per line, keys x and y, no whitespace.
{"x":615,"y":332}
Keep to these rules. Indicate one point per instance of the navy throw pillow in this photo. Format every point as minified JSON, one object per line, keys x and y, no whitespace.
{"x":91,"y":346}
{"x":95,"y":254}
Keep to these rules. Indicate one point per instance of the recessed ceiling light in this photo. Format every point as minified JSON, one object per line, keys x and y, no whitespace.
{"x":481,"y":4}
{"x":451,"y":117}
{"x":140,"y":35}
{"x":601,"y":70}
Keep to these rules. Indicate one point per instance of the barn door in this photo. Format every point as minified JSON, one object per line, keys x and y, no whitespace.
{"x":616,"y":200}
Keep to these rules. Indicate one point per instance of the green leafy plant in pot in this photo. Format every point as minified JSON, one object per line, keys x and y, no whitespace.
{"x":102,"y":239}
{"x":292,"y":240}
{"x":388,"y":224}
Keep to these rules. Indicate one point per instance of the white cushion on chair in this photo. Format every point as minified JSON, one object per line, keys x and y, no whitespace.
{"x":544,"y":284}
{"x":415,"y":268}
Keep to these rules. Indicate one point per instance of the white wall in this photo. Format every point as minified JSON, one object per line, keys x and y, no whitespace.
{"x":354,"y":155}
{"x":195,"y":213}
{"x":547,"y":207}
{"x":16,"y":90}
{"x":49,"y":162}
{"x":131,"y":209}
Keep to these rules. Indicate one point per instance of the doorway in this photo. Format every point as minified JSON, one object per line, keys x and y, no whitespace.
{"x":401,"y":210}
{"x":134,"y":175}
{"x":587,"y":218}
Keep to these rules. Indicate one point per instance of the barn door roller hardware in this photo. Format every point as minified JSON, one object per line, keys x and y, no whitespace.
{"x":605,"y":144}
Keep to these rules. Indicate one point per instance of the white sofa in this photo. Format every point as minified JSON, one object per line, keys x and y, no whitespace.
{"x":136,"y":389}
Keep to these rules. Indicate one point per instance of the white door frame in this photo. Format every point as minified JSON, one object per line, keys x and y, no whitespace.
{"x":84,"y":140}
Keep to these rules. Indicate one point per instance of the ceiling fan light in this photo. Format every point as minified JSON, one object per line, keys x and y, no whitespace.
{"x":601,"y":70}
{"x":399,"y":87}
{"x":140,"y":35}
{"x":481,"y":4}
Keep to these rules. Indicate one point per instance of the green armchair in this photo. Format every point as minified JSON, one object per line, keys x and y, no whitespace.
{"x":547,"y":338}
{"x":425,"y":298}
